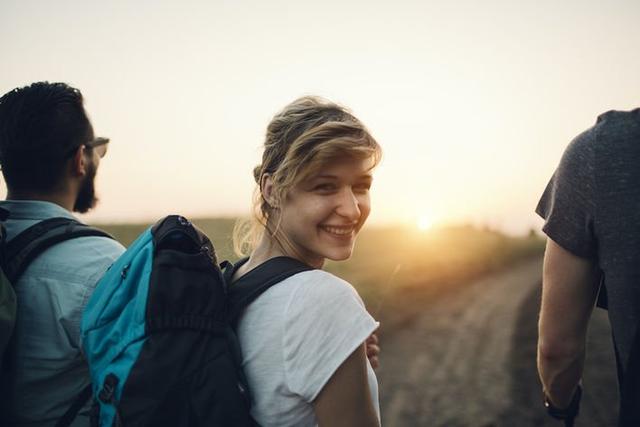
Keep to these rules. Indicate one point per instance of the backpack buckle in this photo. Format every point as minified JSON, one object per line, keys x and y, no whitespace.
{"x":106,"y":395}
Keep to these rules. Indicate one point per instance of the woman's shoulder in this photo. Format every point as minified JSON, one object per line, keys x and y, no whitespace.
{"x":324,"y":323}
{"x":317,"y":276}
{"x":319,"y":295}
{"x":319,"y":284}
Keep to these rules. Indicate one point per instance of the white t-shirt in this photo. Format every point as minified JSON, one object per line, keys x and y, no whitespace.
{"x":294,"y":337}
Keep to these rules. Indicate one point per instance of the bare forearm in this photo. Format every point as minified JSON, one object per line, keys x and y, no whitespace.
{"x":560,"y":375}
{"x":569,"y":289}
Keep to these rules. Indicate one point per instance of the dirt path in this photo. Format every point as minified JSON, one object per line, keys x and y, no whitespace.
{"x":469,"y":360}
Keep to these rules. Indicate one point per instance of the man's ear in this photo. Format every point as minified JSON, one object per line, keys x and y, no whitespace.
{"x":267,"y":190}
{"x":79,"y":162}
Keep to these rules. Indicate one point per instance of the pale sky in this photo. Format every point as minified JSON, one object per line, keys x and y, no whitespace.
{"x":473,"y":102}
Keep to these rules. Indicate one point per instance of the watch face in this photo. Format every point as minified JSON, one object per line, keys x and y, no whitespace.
{"x":545,"y":399}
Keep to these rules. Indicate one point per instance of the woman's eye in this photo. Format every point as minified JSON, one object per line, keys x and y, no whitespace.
{"x":325,"y":187}
{"x":362,"y":187}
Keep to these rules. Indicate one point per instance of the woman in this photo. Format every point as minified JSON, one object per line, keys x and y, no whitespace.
{"x":303,"y":340}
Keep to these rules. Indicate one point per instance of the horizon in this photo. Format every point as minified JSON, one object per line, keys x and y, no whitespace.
{"x":414,"y":229}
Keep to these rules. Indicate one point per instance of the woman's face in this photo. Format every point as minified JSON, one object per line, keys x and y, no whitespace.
{"x":321,"y":216}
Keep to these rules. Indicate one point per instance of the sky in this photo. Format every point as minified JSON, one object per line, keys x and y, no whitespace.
{"x":472,"y":102}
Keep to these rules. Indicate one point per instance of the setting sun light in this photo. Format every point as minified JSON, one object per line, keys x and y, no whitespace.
{"x":424,"y":223}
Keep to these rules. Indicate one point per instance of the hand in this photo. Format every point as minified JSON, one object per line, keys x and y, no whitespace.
{"x":373,"y":350}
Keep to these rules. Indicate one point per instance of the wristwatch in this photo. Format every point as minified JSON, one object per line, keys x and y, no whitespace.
{"x":570,"y":411}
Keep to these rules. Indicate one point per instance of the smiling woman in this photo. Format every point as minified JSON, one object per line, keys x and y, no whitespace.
{"x":306,"y":340}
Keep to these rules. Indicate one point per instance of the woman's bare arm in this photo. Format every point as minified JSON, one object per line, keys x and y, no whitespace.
{"x":346,"y":400}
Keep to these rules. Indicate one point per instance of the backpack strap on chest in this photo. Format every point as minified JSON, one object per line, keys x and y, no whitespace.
{"x":249,"y":287}
{"x":33,"y":241}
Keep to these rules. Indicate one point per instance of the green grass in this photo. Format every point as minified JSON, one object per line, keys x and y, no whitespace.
{"x":219,"y":231}
{"x":397,"y":263}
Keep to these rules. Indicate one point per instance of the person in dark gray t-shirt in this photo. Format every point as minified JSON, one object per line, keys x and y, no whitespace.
{"x":591,"y":208}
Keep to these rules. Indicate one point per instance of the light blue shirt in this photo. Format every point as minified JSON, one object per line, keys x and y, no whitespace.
{"x":49,"y":367}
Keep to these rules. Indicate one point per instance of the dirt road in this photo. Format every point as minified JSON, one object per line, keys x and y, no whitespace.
{"x":468,"y":359}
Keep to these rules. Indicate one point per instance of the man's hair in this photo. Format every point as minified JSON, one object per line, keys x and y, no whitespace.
{"x":40,"y":125}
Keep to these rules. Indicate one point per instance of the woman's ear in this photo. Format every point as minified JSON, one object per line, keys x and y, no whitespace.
{"x":267,"y":190}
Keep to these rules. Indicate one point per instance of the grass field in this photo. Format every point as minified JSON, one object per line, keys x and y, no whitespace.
{"x":392,"y":265}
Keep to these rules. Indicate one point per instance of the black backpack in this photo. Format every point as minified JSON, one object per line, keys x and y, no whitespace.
{"x":158,"y":332}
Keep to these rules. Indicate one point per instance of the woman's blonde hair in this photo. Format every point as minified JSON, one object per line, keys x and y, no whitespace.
{"x":306,"y":135}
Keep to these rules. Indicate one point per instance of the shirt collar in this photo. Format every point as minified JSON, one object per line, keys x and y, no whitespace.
{"x":34,"y":209}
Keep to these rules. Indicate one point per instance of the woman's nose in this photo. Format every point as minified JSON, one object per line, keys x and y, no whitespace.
{"x":348,"y":205}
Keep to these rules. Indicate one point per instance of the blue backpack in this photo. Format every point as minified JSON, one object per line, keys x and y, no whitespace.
{"x":158,"y":333}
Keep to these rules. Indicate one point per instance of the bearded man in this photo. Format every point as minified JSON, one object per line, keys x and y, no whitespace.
{"x":49,"y":157}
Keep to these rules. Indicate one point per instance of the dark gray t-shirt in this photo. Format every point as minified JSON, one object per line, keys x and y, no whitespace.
{"x":591,"y":207}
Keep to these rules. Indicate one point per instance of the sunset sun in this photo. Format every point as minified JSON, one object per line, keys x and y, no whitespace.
{"x":424,"y":223}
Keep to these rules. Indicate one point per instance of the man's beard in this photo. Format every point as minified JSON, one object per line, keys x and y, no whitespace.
{"x":87,"y":195}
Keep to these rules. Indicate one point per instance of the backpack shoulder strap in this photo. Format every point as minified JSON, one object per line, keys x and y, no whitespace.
{"x":76,"y":406}
{"x":4,"y":214}
{"x":250,"y":286}
{"x":33,"y":241}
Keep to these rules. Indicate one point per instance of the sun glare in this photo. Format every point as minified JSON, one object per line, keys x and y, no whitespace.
{"x":424,"y":223}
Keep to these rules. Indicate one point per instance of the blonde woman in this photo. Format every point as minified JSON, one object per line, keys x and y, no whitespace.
{"x":304,"y":340}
